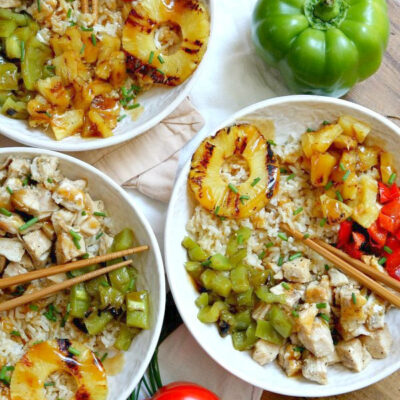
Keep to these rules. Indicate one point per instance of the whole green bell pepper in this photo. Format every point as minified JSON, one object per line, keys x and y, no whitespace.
{"x":321,"y":46}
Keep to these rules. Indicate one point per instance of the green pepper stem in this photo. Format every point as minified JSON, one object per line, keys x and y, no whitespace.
{"x":326,"y":10}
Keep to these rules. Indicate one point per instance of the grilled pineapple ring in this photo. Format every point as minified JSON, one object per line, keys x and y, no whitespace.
{"x":42,"y":359}
{"x":187,"y":20}
{"x":211,"y":189}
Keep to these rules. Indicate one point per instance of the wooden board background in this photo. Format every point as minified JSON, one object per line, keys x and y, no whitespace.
{"x":381,"y":93}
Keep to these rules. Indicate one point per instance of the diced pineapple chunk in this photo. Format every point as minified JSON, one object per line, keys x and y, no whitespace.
{"x":368,"y":157}
{"x":53,"y":91}
{"x":345,"y":142}
{"x":387,"y":167}
{"x":320,"y":140}
{"x":321,"y":168}
{"x":347,"y":162}
{"x":334,"y":211}
{"x":366,"y":209}
{"x":66,"y":124}
{"x":99,"y":125}
{"x":69,"y":67}
{"x":70,"y":41}
{"x":354,"y":128}
{"x":350,"y":187}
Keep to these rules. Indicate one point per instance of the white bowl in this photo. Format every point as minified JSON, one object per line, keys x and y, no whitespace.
{"x":291,"y":115}
{"x":158,"y":103}
{"x":149,"y":264}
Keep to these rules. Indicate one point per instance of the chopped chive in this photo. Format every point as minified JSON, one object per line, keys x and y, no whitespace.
{"x":322,"y":222}
{"x":50,"y":314}
{"x":5,"y":212}
{"x":271,"y":142}
{"x":206,"y":263}
{"x":9,"y":190}
{"x":295,"y":255}
{"x":326,"y":123}
{"x":99,"y":235}
{"x":15,"y":333}
{"x":291,"y":176}
{"x":382,"y":260}
{"x":85,"y":256}
{"x":310,"y":130}
{"x":233,"y":188}
{"x":100,"y":214}
{"x":285,"y":286}
{"x":392,"y":178}
{"x":295,"y":314}
{"x":121,"y":117}
{"x":321,"y":305}
{"x":306,"y":236}
{"x":76,"y":237}
{"x":69,"y":13}
{"x":133,"y":106}
{"x":25,"y":181}
{"x":104,"y":357}
{"x":388,"y":249}
{"x":93,"y":38}
{"x":283,"y":236}
{"x":72,"y":23}
{"x":240,"y":239}
{"x":217,"y":210}
{"x":82,"y":49}
{"x":74,"y":351}
{"x":328,"y":185}
{"x":48,"y":114}
{"x":243,"y":198}
{"x":268,"y":245}
{"x":261,"y":255}
{"x":160,"y":71}
{"x":327,"y":267}
{"x":83,"y":212}
{"x":299,"y":349}
{"x":86,"y":29}
{"x":50,"y":67}
{"x":339,"y":196}
{"x":280,"y":261}
{"x":131,"y":284}
{"x":151,"y":57}
{"x":49,"y":180}
{"x":104,"y":284}
{"x":22,"y":50}
{"x":28,"y":224}
{"x":298,"y":211}
{"x":34,"y":307}
{"x":39,"y":7}
{"x":346,"y":175}
{"x":354,"y":298}
{"x":161,"y":59}
{"x":324,"y":317}
{"x":283,"y":170}
{"x":46,"y":384}
{"x":255,"y":181}
{"x":342,"y":167}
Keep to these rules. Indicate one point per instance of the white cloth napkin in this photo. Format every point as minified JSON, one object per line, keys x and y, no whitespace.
{"x":182,"y":359}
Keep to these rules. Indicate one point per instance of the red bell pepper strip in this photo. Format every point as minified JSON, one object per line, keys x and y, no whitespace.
{"x":393,"y":264}
{"x":393,"y":243}
{"x":388,"y":193}
{"x":389,"y":217}
{"x":344,"y":234}
{"x":352,"y":250}
{"x":377,"y":235}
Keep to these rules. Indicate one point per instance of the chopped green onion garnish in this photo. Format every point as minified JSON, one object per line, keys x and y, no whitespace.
{"x":160,"y":58}
{"x":39,"y":8}
{"x":100,"y":214}
{"x":339,"y":196}
{"x":48,"y":114}
{"x":392,"y":178}
{"x":9,"y":190}
{"x":322,"y":222}
{"x":310,"y":130}
{"x":94,"y":40}
{"x":233,"y":188}
{"x":151,"y":57}
{"x":382,"y":260}
{"x":261,"y":255}
{"x":133,"y":106}
{"x":306,"y":236}
{"x":76,"y":237}
{"x":327,"y":267}
{"x":255,"y":181}
{"x":280,"y":261}
{"x":104,"y":357}
{"x":69,"y":13}
{"x":99,"y":235}
{"x":49,"y":180}
{"x":328,"y":185}
{"x":243,"y":198}
{"x":72,"y":23}
{"x":160,"y":71}
{"x":268,"y":245}
{"x":354,"y":298}
{"x":121,"y":117}
{"x":83,"y":212}
{"x":342,"y":167}
{"x":28,"y":224}
{"x":22,"y":50}
{"x":206,"y":263}
{"x":321,"y":305}
{"x":285,"y":286}
{"x":326,"y":123}
{"x":86,"y":29}
{"x":325,"y":317}
{"x":271,"y":142}
{"x":131,"y":284}
{"x":283,"y":236}
{"x":105,"y":284}
{"x":82,"y":48}
{"x":283,"y":170}
{"x":388,"y":249}
{"x":46,"y":384}
{"x":298,"y":211}
{"x":240,"y":239}
{"x":50,"y":314}
{"x":5,"y":212}
{"x":299,"y":349}
{"x":34,"y":307}
{"x":217,"y":210}
{"x":291,"y":176}
{"x":74,"y":351}
{"x":15,"y":333}
{"x":295,"y":255}
{"x":346,"y":175}
{"x":295,"y":314}
{"x":85,"y":256}
{"x":26,"y":179}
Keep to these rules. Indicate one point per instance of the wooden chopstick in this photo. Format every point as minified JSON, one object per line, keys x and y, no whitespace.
{"x":57,"y":269}
{"x":48,"y":291}
{"x":345,"y":267}
{"x":85,"y":6}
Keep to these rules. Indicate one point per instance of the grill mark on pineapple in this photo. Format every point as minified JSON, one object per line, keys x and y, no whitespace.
{"x":272,"y":179}
{"x":26,"y":361}
{"x":82,"y":394}
{"x":207,"y":154}
{"x":63,"y":345}
{"x":190,"y":51}
{"x":270,"y":154}
{"x":192,"y":5}
{"x":240,"y":145}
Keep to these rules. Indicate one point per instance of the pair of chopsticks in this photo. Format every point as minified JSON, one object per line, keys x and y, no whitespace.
{"x":95,"y":8}
{"x":57,"y":269}
{"x":363,"y":273}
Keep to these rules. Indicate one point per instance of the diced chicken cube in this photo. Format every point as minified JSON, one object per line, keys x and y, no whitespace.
{"x":70,"y":194}
{"x":332,"y":358}
{"x":26,"y":200}
{"x":265,"y":352}
{"x":26,"y":262}
{"x":105,"y":243}
{"x":297,"y":270}
{"x":337,"y":278}
{"x":378,"y":343}
{"x":375,"y":310}
{"x":5,"y":198}
{"x":319,"y":341}
{"x":62,"y":220}
{"x":352,"y":314}
{"x":47,"y":204}
{"x":373,"y":262}
{"x":3,"y":175}
{"x":306,"y":318}
{"x":353,"y":355}
{"x":293,"y":294}
{"x":38,"y":246}
{"x":19,"y":168}
{"x":12,"y":249}
{"x":261,"y":311}
{"x":315,"y":369}
{"x":66,"y":250}
{"x":90,"y":226}
{"x":11,"y":224}
{"x":45,"y":169}
{"x":14,"y":269}
{"x":290,"y":360}
{"x":319,"y":291}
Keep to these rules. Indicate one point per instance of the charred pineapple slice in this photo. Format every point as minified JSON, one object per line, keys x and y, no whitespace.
{"x":165,"y":40}
{"x":210,"y":188}
{"x":44,"y":358}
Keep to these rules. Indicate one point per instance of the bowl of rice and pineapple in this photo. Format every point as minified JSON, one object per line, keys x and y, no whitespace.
{"x":241,"y":283}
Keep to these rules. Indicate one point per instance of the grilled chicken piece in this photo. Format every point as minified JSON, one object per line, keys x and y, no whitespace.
{"x":297,"y":270}
{"x":290,"y":360}
{"x":35,"y":201}
{"x":293,"y":295}
{"x":5,"y":198}
{"x":11,"y":224}
{"x":44,"y":169}
{"x":70,"y":194}
{"x":14,"y":269}
{"x":38,"y":246}
{"x":90,"y":226}
{"x":165,"y":36}
{"x":217,"y":195}
{"x":66,"y":250}
{"x":378,"y":343}
{"x":315,"y":369}
{"x":62,"y":220}
{"x":12,"y":249}
{"x":19,"y":168}
{"x":265,"y":352}
{"x":353,"y":354}
{"x":105,"y":243}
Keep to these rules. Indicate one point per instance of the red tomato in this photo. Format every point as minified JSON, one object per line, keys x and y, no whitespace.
{"x":184,"y":391}
{"x":377,"y":235}
{"x":388,"y":193}
{"x":393,"y":264}
{"x":344,"y":234}
{"x":389,"y":218}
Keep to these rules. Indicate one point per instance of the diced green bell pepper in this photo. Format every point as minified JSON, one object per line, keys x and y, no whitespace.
{"x":110,"y":297}
{"x":238,"y":257}
{"x":258,"y":277}
{"x":209,"y":314}
{"x":123,"y":240}
{"x":243,"y":320}
{"x":267,"y":297}
{"x":243,"y":235}
{"x":7,"y":27}
{"x":137,"y":305}
{"x":266,"y":331}
{"x":85,"y":270}
{"x":240,"y":280}
{"x":188,"y":243}
{"x":125,"y":337}
{"x":220,"y":263}
{"x":194,"y":269}
{"x":93,"y":285}
{"x":280,"y":321}
{"x":8,"y":76}
{"x":246,"y":298}
{"x":245,"y":340}
{"x":96,"y":322}
{"x":197,"y":254}
{"x":216,"y":281}
{"x":202,"y":300}
{"x":14,"y":109}
{"x":13,"y":42}
{"x":4,"y":95}
{"x":79,"y":300}
{"x":19,"y":19}
{"x":232,"y":247}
